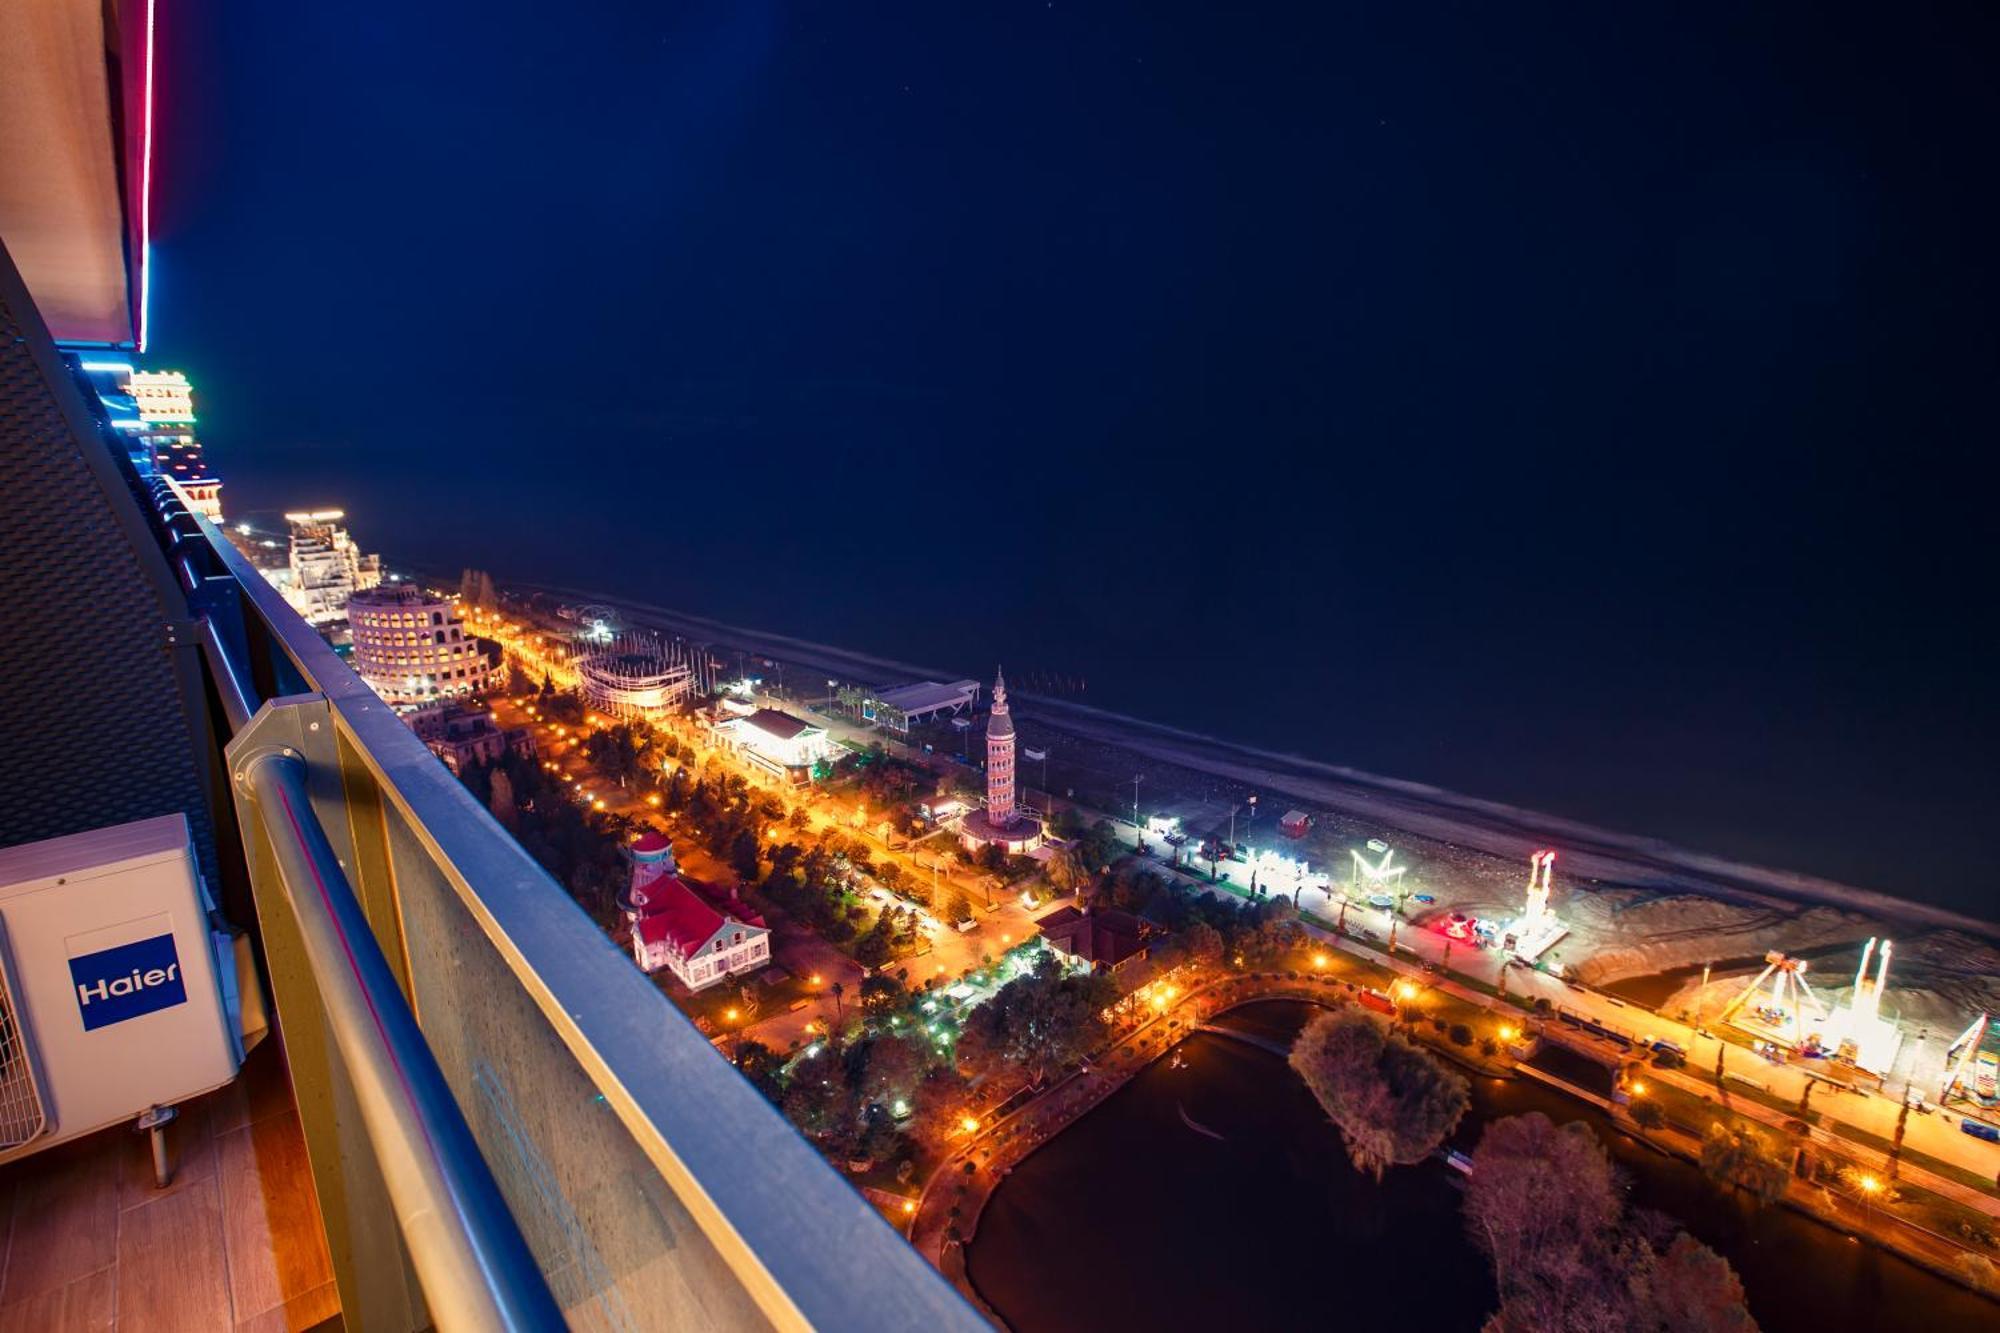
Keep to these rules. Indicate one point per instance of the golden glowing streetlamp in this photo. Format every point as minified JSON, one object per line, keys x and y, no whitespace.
{"x":1319,"y":961}
{"x":1870,"y":1187}
{"x":970,"y":1124}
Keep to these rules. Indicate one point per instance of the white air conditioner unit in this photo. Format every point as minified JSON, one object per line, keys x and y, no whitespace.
{"x":116,"y":995}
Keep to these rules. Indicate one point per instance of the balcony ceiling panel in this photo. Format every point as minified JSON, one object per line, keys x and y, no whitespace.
{"x":67,"y":146}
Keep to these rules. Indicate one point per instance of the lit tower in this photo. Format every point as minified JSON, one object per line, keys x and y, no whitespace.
{"x":1541,"y":866}
{"x":1000,"y":757}
{"x":1001,"y":824}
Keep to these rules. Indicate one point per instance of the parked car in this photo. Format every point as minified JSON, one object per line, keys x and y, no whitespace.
{"x":1979,"y":1129}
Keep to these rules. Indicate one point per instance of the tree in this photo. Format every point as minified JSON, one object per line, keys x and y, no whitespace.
{"x":889,"y":1069}
{"x":1687,"y":1288}
{"x":1046,"y":1020}
{"x":1538,"y":1195}
{"x":934,"y":1106}
{"x":1065,"y":869}
{"x":1736,"y":1156}
{"x":1543,"y":1204}
{"x":1393,"y":1102}
{"x":1648,"y":1115}
{"x":1201,"y":945}
{"x":1896,"y":1148}
{"x":1274,"y":939}
{"x":958,"y":908}
{"x":880,"y":996}
{"x":820,"y":1102}
{"x":763,"y":1067}
{"x":501,"y":802}
{"x":743,"y":856}
{"x":873,"y":948}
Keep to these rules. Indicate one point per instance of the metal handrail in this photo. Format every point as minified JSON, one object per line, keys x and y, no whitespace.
{"x":474,"y":1266}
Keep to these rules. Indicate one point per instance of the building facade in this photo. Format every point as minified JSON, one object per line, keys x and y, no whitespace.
{"x":787,"y":747}
{"x":164,"y":401}
{"x":324,"y":567}
{"x":464,"y":736}
{"x":634,"y":682}
{"x":1001,"y":824}
{"x":673,"y":928}
{"x":412,"y":648}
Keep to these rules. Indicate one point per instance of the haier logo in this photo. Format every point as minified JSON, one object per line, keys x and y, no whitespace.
{"x":132,"y":979}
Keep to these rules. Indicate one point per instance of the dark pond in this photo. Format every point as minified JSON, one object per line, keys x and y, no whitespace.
{"x":1136,"y":1218}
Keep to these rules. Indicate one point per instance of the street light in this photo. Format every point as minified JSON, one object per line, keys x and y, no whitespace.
{"x":1870,"y":1187}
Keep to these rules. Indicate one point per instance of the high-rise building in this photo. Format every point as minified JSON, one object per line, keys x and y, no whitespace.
{"x":326,"y":567}
{"x":165,"y":402}
{"x":412,"y":648}
{"x":484,"y":1106}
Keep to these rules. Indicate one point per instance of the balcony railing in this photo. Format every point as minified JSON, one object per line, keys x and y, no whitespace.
{"x":495,"y":1100}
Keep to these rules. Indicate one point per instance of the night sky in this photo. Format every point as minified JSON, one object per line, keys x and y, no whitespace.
{"x":1576,"y":405}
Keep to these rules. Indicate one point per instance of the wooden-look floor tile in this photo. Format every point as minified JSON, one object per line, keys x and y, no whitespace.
{"x":87,"y":1305}
{"x":309,"y":1310}
{"x":65,"y":1222}
{"x":262,"y":1089}
{"x":171,"y":1274}
{"x":271,"y":1224}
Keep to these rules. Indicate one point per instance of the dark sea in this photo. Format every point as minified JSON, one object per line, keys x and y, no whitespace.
{"x":1573,"y":409}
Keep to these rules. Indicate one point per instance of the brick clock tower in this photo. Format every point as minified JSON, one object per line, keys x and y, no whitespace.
{"x":1000,"y":758}
{"x":1002,"y":823}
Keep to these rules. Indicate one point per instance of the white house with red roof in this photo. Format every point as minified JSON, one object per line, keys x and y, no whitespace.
{"x":672,"y":927}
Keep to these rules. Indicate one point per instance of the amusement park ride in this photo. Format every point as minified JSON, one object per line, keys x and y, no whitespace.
{"x":1789,"y":1014}
{"x":1969,"y":1069}
{"x":1537,"y":929}
{"x":1378,"y":880}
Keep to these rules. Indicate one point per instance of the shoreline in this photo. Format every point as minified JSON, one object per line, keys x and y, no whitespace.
{"x":1608,"y":859}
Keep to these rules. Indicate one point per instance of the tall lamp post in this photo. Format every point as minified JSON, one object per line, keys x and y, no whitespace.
{"x":1136,"y":779}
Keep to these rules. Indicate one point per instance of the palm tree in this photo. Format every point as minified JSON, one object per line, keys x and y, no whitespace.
{"x":1065,"y":869}
{"x":838,"y":991}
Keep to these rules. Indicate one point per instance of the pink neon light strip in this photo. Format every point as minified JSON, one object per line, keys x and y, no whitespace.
{"x":146,"y":191}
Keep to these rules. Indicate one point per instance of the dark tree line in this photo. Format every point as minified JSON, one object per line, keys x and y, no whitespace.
{"x":1545,"y":1205}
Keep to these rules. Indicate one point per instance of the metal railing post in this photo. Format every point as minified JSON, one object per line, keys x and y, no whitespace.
{"x":475,"y":1269}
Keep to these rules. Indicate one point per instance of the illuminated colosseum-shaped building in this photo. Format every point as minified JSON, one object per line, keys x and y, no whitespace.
{"x":411,"y":647}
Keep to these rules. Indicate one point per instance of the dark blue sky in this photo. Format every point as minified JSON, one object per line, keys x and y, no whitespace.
{"x":1577,"y":405}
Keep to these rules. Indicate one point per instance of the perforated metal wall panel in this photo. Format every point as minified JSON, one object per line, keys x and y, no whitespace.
{"x":93,"y":725}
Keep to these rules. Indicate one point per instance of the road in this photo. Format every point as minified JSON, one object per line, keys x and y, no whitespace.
{"x":1001,"y":919}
